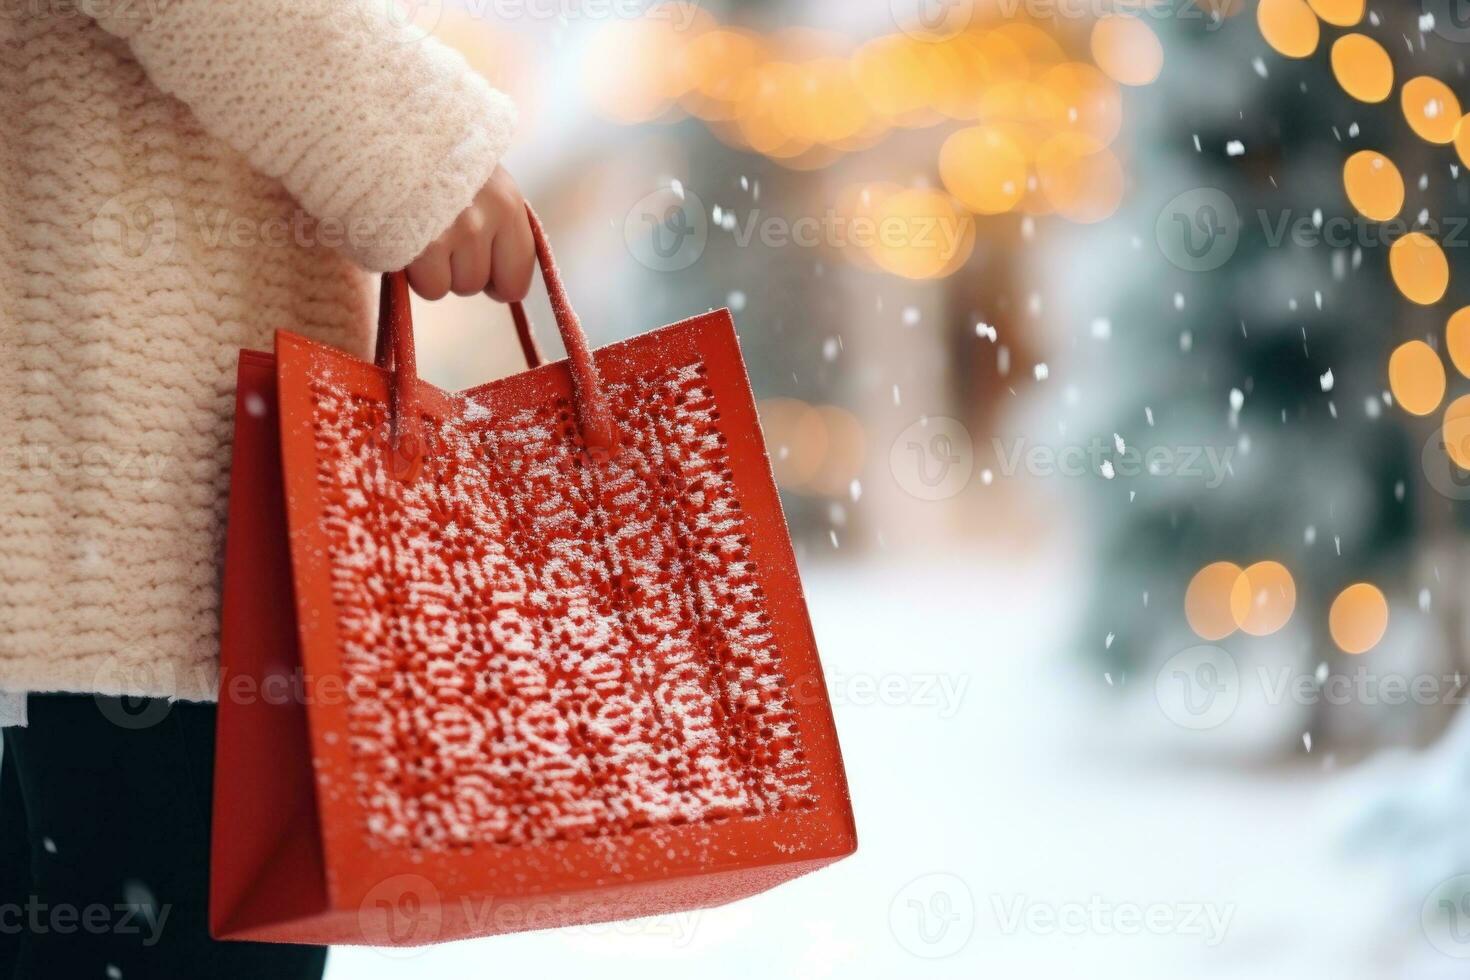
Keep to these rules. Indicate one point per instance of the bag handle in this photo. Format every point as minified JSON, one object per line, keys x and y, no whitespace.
{"x":395,"y":353}
{"x":383,"y":358}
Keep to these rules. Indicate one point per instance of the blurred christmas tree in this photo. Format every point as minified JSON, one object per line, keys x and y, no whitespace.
{"x":1257,"y":333}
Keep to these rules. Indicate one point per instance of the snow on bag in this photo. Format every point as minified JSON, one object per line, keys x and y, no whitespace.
{"x":523,"y":656}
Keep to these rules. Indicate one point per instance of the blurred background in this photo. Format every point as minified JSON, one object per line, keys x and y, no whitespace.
{"x":1110,"y":365}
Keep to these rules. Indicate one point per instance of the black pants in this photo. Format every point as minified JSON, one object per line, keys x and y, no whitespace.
{"x":104,"y":848}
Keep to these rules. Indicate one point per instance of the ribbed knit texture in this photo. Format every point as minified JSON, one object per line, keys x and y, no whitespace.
{"x":178,"y":181}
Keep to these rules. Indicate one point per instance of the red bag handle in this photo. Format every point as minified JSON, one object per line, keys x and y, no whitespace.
{"x":395,"y":353}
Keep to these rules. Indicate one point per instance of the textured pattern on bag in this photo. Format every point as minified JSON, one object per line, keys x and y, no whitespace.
{"x":539,"y":650}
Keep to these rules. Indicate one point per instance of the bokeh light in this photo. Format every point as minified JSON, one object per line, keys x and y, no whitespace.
{"x":1419,"y":267}
{"x":1089,"y":102}
{"x":984,"y":169}
{"x":1208,"y":601}
{"x":1262,"y":598}
{"x":1416,"y":377}
{"x":815,"y":450}
{"x":920,"y":233}
{"x":846,"y":451}
{"x":721,"y":63}
{"x":1041,"y":124}
{"x":1431,"y":108}
{"x":1127,"y":49}
{"x":1457,"y":339}
{"x":1456,"y":432}
{"x":1358,"y":618}
{"x":1339,"y":13}
{"x":1289,"y":26}
{"x":1374,"y":185}
{"x":1081,"y":182}
{"x":1362,"y":68}
{"x":796,"y":438}
{"x":1462,"y":140}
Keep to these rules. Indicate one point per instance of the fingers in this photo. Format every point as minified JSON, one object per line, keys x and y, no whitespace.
{"x":469,"y":261}
{"x":430,"y":274}
{"x":513,"y":253}
{"x":513,"y":260}
{"x":489,"y":248}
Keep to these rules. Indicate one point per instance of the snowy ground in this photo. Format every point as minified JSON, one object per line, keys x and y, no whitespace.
{"x":1007,"y":829}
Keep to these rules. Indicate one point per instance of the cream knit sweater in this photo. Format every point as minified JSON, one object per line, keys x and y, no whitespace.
{"x":178,"y":180}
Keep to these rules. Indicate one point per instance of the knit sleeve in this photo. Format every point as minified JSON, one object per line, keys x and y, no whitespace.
{"x":368,"y":124}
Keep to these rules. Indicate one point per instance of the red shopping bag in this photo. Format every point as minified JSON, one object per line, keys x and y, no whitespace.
{"x":526,"y":655}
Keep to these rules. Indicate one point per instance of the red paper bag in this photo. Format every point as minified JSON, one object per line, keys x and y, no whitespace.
{"x":526,"y":655}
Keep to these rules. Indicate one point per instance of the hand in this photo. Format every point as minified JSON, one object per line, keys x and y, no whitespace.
{"x":488,"y":249}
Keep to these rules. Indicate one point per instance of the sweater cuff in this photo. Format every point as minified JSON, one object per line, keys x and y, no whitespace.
{"x":365,"y":123}
{"x":390,"y":229}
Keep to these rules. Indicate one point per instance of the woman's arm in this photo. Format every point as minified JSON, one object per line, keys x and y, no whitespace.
{"x":389,"y":134}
